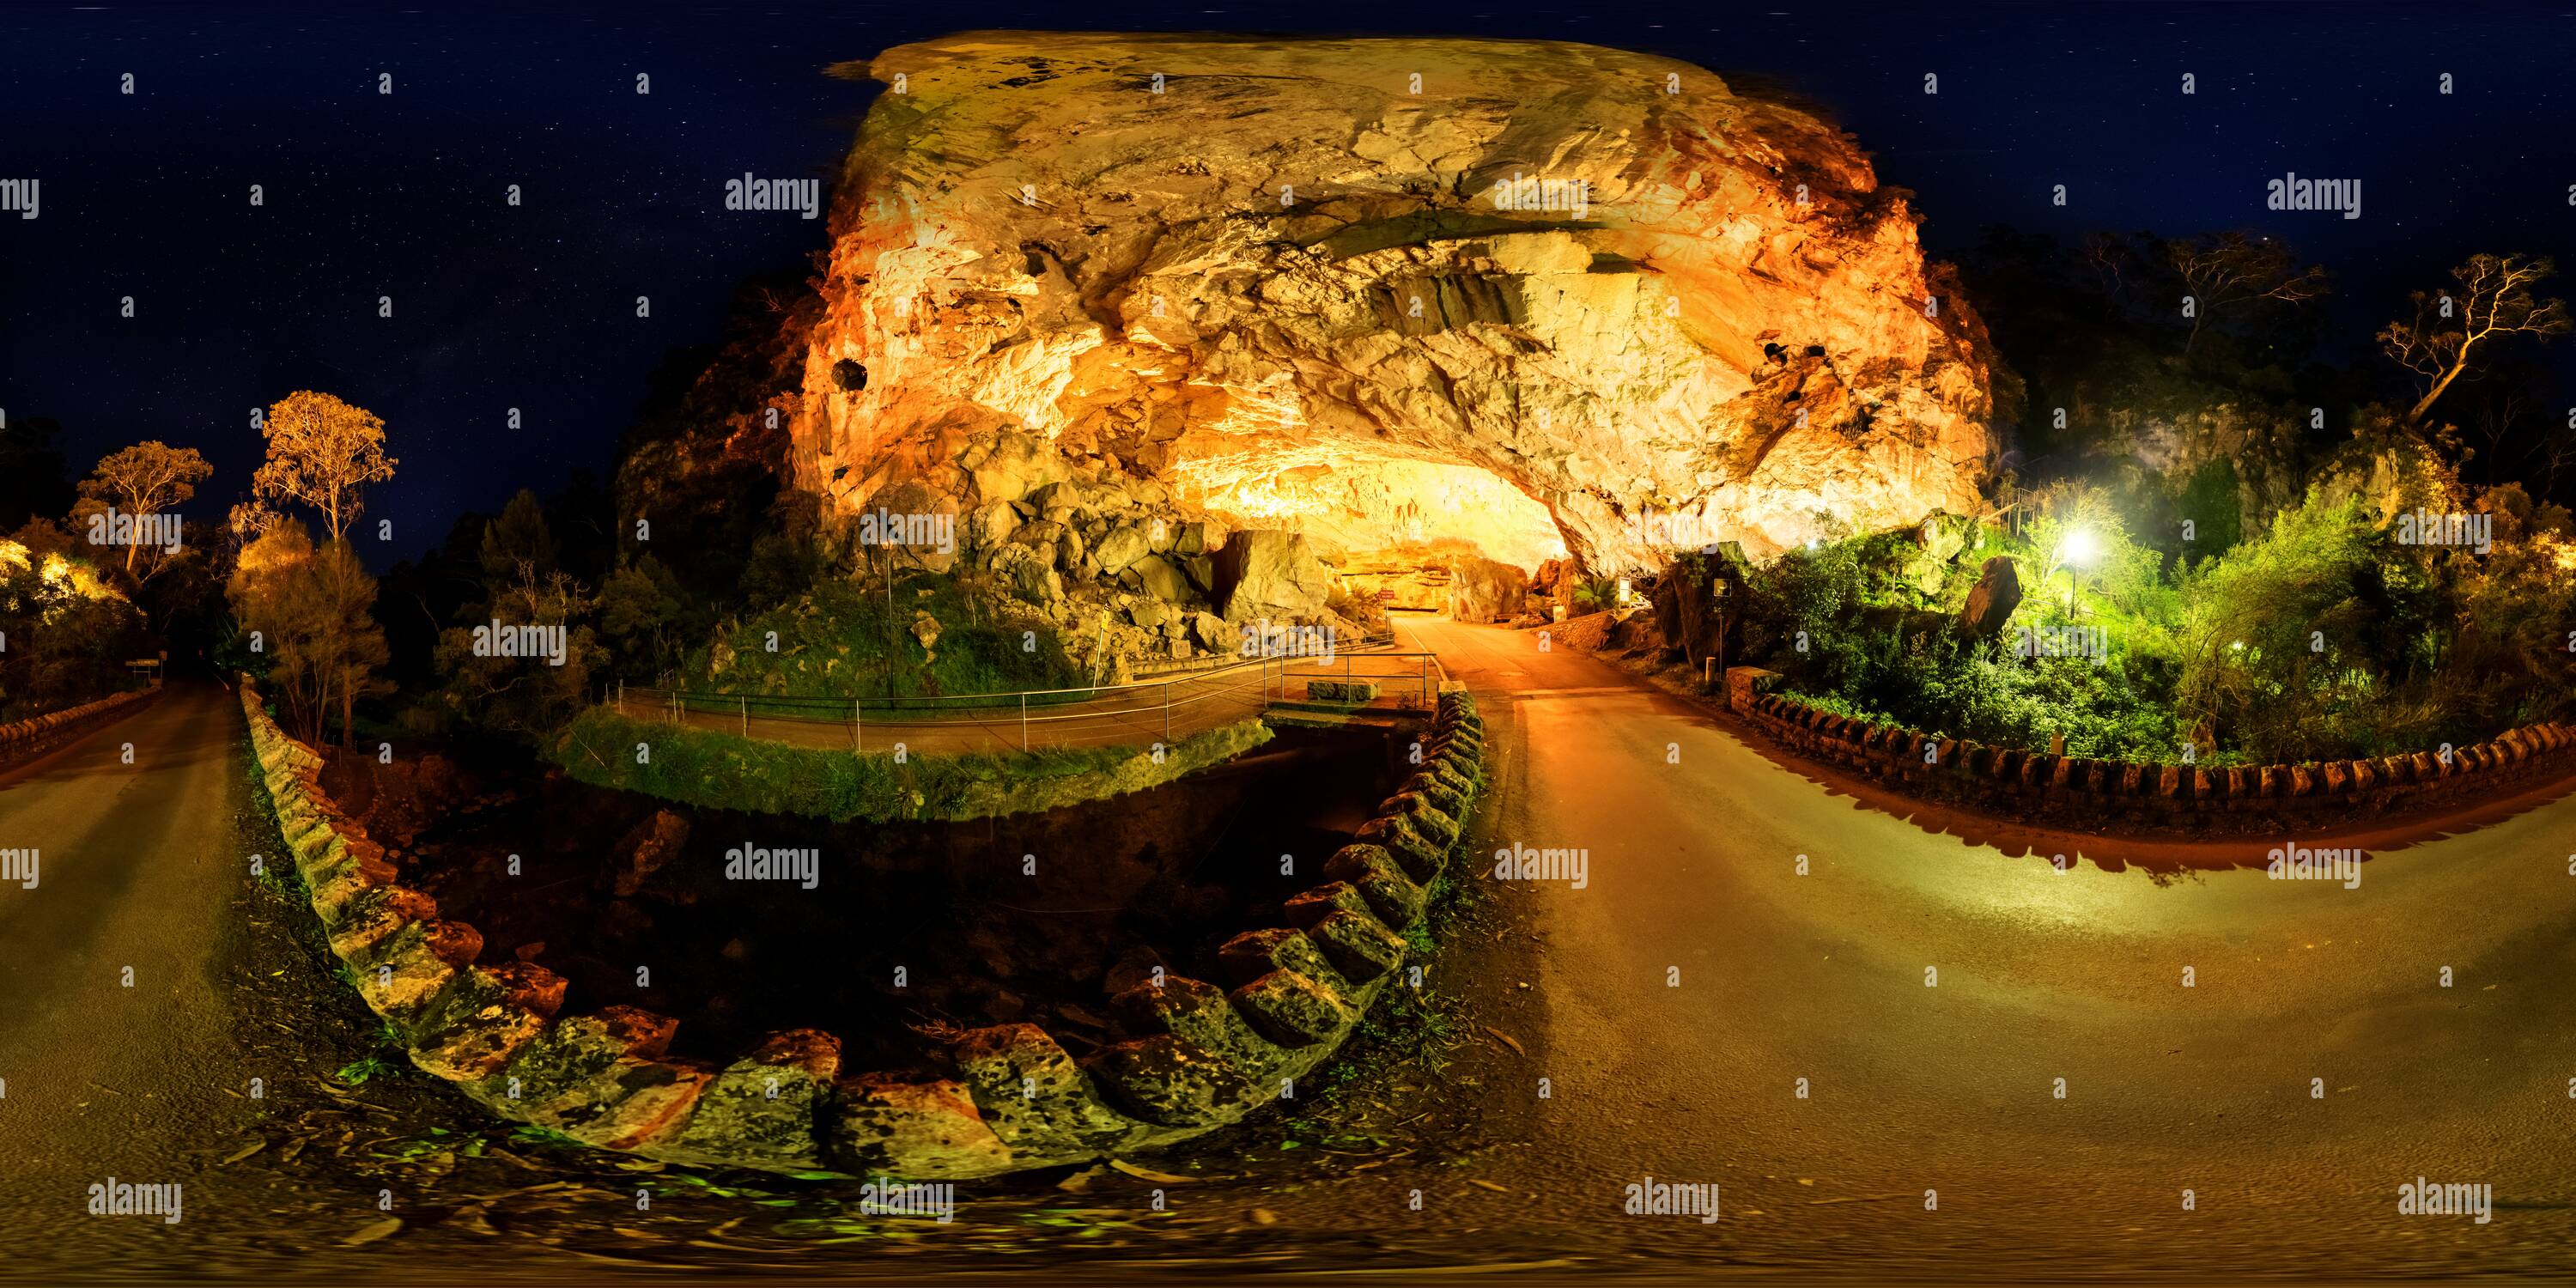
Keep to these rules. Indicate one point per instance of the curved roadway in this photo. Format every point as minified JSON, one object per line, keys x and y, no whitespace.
{"x":1675,"y":1003}
{"x":2315,"y":1062}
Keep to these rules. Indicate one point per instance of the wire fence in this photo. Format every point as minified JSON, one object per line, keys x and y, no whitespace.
{"x":1163,"y":708}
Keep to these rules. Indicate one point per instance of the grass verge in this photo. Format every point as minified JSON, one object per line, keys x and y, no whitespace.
{"x":717,"y":770}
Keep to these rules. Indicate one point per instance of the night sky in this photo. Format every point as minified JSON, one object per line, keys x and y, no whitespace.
{"x":532,"y":307}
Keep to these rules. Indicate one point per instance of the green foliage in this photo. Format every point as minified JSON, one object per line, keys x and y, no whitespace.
{"x":523,"y":697}
{"x":69,"y":633}
{"x":2209,"y":502}
{"x":845,"y":639}
{"x":722,"y":771}
{"x":643,"y":613}
{"x":2330,"y":637}
{"x":1851,"y":630}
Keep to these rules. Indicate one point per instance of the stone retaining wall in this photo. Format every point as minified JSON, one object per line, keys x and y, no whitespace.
{"x":1001,"y":1099}
{"x":2074,"y":789}
{"x":21,"y":735}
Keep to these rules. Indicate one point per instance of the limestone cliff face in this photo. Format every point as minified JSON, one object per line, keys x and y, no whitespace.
{"x":1240,"y":268}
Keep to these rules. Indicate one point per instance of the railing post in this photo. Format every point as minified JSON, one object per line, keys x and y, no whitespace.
{"x":1024,"y":722}
{"x":1167,"y":711}
{"x":858,"y":728}
{"x":746,"y":715}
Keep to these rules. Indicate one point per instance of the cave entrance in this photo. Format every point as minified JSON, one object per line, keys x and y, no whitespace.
{"x":1391,"y":524}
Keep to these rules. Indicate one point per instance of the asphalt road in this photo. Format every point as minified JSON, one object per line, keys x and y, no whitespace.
{"x":1672,"y":1004}
{"x":117,"y":1037}
{"x":1699,"y":976}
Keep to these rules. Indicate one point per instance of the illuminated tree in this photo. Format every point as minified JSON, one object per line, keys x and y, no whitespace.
{"x":2229,"y":269}
{"x":322,"y":452}
{"x":310,"y":608}
{"x":148,"y":478}
{"x":2451,"y":333}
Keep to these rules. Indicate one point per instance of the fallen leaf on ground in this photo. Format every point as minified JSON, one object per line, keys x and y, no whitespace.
{"x":370,"y":1233}
{"x":244,"y":1152}
{"x":1148,"y":1174}
{"x":1491,"y":1186}
{"x":1507,"y":1041}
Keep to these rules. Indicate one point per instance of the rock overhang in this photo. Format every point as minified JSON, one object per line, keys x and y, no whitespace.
{"x":1178,"y":258}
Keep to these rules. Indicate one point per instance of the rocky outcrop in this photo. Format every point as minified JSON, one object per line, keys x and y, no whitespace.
{"x":1481,"y":590}
{"x":1270,"y":575}
{"x":1174,"y":276}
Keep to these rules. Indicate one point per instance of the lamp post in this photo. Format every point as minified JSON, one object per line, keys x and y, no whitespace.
{"x":2077,"y":550}
{"x":1717,"y":592}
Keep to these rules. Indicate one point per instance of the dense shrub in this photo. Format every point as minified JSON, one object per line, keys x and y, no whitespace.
{"x":844,"y":639}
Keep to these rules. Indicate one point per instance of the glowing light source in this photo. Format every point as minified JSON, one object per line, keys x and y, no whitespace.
{"x":2080,"y":549}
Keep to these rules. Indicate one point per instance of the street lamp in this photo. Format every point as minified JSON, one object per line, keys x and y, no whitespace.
{"x":2078,"y":550}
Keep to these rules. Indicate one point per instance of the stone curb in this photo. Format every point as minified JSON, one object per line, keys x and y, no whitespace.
{"x":1014,"y":1098}
{"x":2074,"y":789}
{"x":17,"y":733}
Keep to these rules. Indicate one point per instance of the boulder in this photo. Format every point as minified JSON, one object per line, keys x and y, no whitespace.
{"x":1119,"y":551}
{"x":1160,"y":579}
{"x":1034,"y":580}
{"x":1992,"y":600}
{"x":1213,"y":633}
{"x":1265,"y":572}
{"x":1014,"y":466}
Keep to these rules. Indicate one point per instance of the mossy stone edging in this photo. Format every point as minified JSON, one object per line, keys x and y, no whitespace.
{"x":2076,"y":789}
{"x":1005,"y":1098}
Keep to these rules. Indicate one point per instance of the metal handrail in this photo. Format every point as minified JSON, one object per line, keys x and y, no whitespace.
{"x":1006,"y":696}
{"x":1124,"y":723}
